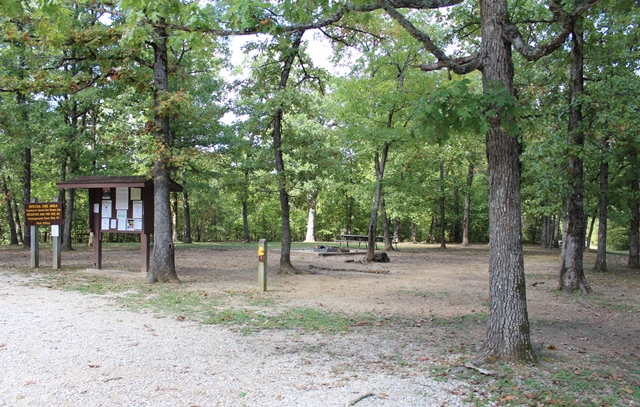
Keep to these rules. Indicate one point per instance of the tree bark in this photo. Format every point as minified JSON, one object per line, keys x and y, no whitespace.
{"x":380,"y":163}
{"x":10,"y":221}
{"x":433,"y":228}
{"x":310,"y":236}
{"x":386,"y":229}
{"x":16,"y":212}
{"x":508,"y":332}
{"x":601,"y":257}
{"x":572,"y":276}
{"x":442,"y":219}
{"x":162,"y":267}
{"x":634,"y":246}
{"x":285,"y":253}
{"x":467,"y":207}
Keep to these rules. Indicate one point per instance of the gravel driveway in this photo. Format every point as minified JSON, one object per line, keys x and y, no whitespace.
{"x":62,"y":348}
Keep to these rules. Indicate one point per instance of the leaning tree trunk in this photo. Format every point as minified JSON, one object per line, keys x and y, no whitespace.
{"x":508,"y":332}
{"x":467,"y":208}
{"x":601,"y":257}
{"x":163,"y":268}
{"x":634,"y":246}
{"x":16,"y":212}
{"x":10,"y":221}
{"x":572,"y":276}
{"x":285,"y":253}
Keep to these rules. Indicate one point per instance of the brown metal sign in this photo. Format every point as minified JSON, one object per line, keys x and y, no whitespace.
{"x":43,"y":214}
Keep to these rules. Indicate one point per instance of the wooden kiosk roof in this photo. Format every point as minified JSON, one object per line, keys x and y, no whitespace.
{"x":106,"y":181}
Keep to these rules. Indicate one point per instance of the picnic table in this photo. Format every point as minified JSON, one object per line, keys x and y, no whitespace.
{"x":360,"y":239}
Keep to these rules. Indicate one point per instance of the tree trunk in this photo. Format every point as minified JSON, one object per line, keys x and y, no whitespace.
{"x":433,"y":229}
{"x":174,"y":217}
{"x":634,"y":246}
{"x":556,"y":232}
{"x":162,"y":267}
{"x":186,"y":211}
{"x":16,"y":212}
{"x":311,"y":218}
{"x":10,"y":221}
{"x":601,"y":257}
{"x":587,"y":244}
{"x":386,"y":230}
{"x":442,"y":219}
{"x":26,"y":198}
{"x":467,"y":208}
{"x":396,"y":230}
{"x":413,"y":232}
{"x":285,"y":253}
{"x":457,"y":225}
{"x":572,"y":276}
{"x":508,"y":332}
{"x":380,"y":163}
{"x":544,"y":232}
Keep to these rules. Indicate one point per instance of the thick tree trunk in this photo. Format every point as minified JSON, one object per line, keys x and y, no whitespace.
{"x":601,"y":257}
{"x":310,"y":236}
{"x":186,"y":211}
{"x":442,"y":219}
{"x":285,"y":253}
{"x":163,"y":267}
{"x":467,"y":207}
{"x":572,"y":276}
{"x":380,"y":163}
{"x":544,"y":232}
{"x":508,"y":332}
{"x":10,"y":221}
{"x":634,"y":246}
{"x":67,"y":240}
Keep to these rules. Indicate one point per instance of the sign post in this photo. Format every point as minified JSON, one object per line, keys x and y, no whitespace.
{"x":262,"y":265}
{"x":35,"y":238}
{"x":56,"y":241}
{"x":41,"y":214}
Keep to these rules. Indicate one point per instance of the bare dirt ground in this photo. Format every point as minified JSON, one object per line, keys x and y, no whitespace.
{"x":423,"y":285}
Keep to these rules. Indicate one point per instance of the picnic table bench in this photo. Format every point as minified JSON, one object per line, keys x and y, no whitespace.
{"x":361,"y":239}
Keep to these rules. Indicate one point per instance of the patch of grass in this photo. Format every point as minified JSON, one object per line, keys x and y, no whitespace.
{"x":537,"y":386}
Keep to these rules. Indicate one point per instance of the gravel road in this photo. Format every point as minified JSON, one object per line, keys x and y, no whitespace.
{"x":62,"y":348}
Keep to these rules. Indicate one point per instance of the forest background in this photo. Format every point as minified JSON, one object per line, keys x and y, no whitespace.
{"x":141,"y":88}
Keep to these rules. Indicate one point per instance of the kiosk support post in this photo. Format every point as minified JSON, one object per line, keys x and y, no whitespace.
{"x":35,"y":243}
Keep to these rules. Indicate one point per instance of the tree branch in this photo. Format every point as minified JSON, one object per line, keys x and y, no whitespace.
{"x":567,"y":20}
{"x":460,"y":66}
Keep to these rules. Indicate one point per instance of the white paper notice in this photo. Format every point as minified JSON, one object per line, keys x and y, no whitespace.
{"x":96,"y":208}
{"x":137,"y":209}
{"x":136,"y":194}
{"x":106,"y":208}
{"x":122,"y":198}
{"x":122,"y":214}
{"x":114,"y":223}
{"x":105,"y":224}
{"x":55,"y":231}
{"x":122,"y":224}
{"x":137,"y":224}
